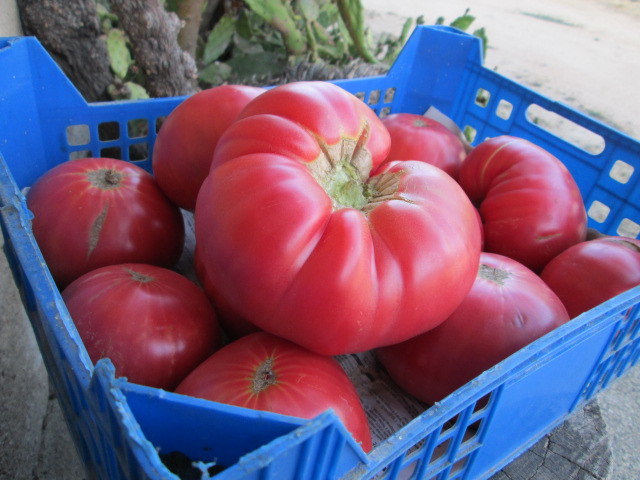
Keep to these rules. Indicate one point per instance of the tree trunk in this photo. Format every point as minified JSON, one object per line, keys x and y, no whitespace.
{"x":153,"y":33}
{"x":70,"y":31}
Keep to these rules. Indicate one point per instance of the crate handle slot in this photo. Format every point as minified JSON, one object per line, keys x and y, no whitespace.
{"x":565,"y":129}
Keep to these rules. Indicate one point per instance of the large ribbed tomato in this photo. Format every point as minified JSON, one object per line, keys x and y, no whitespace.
{"x":93,"y":212}
{"x":530,"y":205}
{"x":508,"y":307}
{"x":296,"y":237}
{"x":265,"y":372}
{"x":592,"y":272}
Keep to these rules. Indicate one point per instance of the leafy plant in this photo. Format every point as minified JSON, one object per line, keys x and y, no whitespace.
{"x":262,"y":41}
{"x":126,"y":84}
{"x":266,"y":37}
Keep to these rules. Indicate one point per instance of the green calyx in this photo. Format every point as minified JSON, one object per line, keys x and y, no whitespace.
{"x":342,"y":169}
{"x":345,"y":186}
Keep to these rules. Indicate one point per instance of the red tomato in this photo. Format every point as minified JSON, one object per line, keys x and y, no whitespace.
{"x":265,"y":372}
{"x":234,"y":325}
{"x":508,"y":307}
{"x":184,"y":146}
{"x":155,"y":325}
{"x":93,"y":212}
{"x":299,"y":240}
{"x":416,"y":137}
{"x":592,"y":272}
{"x":530,"y":205}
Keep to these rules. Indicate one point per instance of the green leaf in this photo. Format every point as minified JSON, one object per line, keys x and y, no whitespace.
{"x":463,"y":22}
{"x":215,"y":73}
{"x":267,"y":9}
{"x":328,"y":15}
{"x":352,"y":14}
{"x":406,"y":30}
{"x":265,"y":63}
{"x":482,"y":35}
{"x":171,"y":5}
{"x":246,"y":46}
{"x":105,"y":16}
{"x":309,"y":9}
{"x":330,"y":53}
{"x":344,"y":32}
{"x":219,"y":39}
{"x":244,"y":26}
{"x":119,"y":55}
{"x":279,"y":14}
{"x":138,"y":92}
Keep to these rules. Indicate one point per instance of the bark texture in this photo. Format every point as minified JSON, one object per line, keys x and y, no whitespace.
{"x":153,"y":33}
{"x":70,"y":31}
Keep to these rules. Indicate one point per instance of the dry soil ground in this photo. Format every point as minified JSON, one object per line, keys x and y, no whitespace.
{"x":585,"y":53}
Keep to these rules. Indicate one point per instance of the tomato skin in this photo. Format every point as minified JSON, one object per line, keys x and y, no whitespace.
{"x":493,"y":322}
{"x":530,"y":205}
{"x":80,"y":227}
{"x":302,"y":383}
{"x":154,"y":324}
{"x":184,"y":145}
{"x":233,"y":325}
{"x":326,"y":110}
{"x":416,"y":137}
{"x":290,"y":259}
{"x":592,"y":272}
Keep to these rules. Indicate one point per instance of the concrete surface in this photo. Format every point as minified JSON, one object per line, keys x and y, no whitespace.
{"x":9,"y":20}
{"x":34,"y":441}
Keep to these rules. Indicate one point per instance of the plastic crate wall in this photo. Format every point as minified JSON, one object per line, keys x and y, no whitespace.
{"x":118,"y":426}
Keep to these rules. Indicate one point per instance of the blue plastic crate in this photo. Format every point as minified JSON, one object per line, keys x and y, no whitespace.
{"x":122,"y":429}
